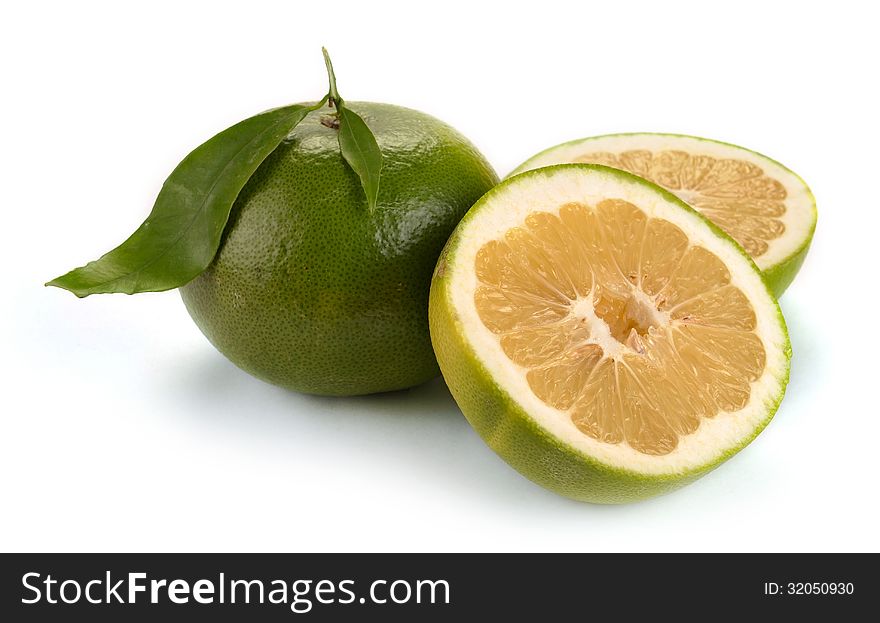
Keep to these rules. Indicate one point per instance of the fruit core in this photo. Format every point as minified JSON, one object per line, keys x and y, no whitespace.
{"x":618,"y":322}
{"x":736,"y":195}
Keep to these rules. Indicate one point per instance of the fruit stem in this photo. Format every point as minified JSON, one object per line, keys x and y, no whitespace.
{"x":320,"y":104}
{"x":333,"y":96}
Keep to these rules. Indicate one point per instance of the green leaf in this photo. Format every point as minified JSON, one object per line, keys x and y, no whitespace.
{"x":182,"y":234}
{"x":333,"y":94}
{"x":360,"y":150}
{"x":356,"y":141}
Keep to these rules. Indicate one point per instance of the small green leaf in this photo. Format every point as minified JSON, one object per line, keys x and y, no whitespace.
{"x":182,"y":234}
{"x":356,"y":141}
{"x":361,"y":151}
{"x":333,"y":94}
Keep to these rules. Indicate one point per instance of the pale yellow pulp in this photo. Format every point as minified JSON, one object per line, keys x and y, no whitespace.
{"x":619,"y":323}
{"x":734,"y":194}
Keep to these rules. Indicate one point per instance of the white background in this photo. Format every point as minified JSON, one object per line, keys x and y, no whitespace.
{"x":123,"y":429}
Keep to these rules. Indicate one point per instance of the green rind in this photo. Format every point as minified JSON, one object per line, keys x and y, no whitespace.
{"x":778,"y":276}
{"x":516,"y":436}
{"x":781,"y":275}
{"x":313,"y":291}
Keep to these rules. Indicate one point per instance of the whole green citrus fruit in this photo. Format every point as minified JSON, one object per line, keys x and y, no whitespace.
{"x":313,"y":291}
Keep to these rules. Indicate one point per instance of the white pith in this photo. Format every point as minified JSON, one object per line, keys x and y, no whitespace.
{"x":799,"y":213}
{"x":546,"y":191}
{"x":600,"y":332}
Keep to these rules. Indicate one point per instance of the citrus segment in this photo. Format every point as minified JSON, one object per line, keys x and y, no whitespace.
{"x":758,"y":202}
{"x":636,"y":339}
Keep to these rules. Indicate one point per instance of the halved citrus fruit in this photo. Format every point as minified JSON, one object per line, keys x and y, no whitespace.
{"x":764,"y":206}
{"x":604,"y":338}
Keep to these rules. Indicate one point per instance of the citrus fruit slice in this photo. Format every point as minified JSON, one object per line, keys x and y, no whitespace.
{"x":602,"y":337}
{"x":764,"y":206}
